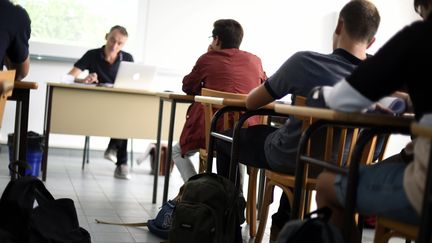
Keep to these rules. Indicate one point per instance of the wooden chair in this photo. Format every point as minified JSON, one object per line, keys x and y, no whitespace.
{"x":387,"y":228}
{"x":6,"y":86}
{"x":229,"y":120}
{"x":286,"y":182}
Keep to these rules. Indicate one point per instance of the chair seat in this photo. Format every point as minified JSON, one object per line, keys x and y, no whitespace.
{"x":387,"y":228}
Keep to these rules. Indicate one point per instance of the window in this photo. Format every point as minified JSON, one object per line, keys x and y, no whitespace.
{"x":67,"y":28}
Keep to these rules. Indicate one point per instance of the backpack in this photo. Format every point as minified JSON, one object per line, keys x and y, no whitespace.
{"x":29,"y":213}
{"x":210,"y":210}
{"x":311,"y":229}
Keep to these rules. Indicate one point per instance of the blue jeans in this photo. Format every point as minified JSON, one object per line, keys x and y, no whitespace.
{"x":380,"y":192}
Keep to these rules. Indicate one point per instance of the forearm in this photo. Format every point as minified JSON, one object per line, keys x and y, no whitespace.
{"x":21,"y":69}
{"x":258,"y":97}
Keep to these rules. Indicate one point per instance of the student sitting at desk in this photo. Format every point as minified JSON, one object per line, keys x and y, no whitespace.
{"x":225,"y":68}
{"x":14,"y":39}
{"x":273,"y":148}
{"x":103,"y":64}
{"x":399,"y":64}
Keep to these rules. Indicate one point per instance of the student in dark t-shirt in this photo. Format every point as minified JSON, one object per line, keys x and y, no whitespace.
{"x":102,"y":64}
{"x":14,"y":38}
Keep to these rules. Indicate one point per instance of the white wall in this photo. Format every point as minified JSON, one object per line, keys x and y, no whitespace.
{"x":178,"y":31}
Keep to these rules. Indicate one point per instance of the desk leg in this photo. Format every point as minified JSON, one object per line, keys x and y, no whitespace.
{"x":21,"y":126}
{"x":47,"y":126}
{"x":17,"y":138}
{"x":158,"y":141}
{"x":169,"y":151}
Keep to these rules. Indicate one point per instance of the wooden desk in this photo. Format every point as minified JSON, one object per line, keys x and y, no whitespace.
{"x":376,"y":124}
{"x":21,"y":94}
{"x":100,"y":111}
{"x":174,"y":98}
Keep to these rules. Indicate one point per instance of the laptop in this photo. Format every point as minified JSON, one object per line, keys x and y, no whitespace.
{"x":133,"y":75}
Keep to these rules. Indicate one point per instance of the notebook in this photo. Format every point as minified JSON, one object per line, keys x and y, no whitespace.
{"x":135,"y":76}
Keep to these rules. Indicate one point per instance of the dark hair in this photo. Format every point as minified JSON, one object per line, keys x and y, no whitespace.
{"x":229,"y":32}
{"x":361,"y":19}
{"x":420,"y":3}
{"x":121,"y":29}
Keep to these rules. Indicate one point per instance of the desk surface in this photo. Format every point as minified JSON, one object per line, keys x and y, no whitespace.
{"x":176,"y":96}
{"x":320,"y":113}
{"x":350,"y":117}
{"x":25,"y":85}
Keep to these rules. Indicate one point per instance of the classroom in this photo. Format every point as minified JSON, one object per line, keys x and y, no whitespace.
{"x":76,"y":120}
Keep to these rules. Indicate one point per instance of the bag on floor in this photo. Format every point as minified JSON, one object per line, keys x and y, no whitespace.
{"x":29,"y":213}
{"x":311,"y":229}
{"x":210,"y":209}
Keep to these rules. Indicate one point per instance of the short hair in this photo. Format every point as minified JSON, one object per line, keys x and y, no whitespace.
{"x":120,"y":28}
{"x":229,"y":32}
{"x":361,"y":19}
{"x":420,"y":3}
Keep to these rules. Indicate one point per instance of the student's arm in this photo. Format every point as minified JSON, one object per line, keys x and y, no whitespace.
{"x":192,"y":83}
{"x":258,"y":97}
{"x":21,"y":69}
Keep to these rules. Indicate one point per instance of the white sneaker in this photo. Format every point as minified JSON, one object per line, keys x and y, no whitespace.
{"x":122,"y":172}
{"x":111,"y":154}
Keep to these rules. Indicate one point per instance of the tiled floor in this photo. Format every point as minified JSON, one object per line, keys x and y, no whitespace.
{"x":98,"y":195}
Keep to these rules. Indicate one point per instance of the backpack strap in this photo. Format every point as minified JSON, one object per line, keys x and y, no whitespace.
{"x":139,"y":224}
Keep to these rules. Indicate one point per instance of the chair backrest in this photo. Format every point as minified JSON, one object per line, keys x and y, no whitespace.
{"x":344,"y":139}
{"x":229,"y":118}
{"x":6,"y":87}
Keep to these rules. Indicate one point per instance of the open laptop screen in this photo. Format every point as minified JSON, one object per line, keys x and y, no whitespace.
{"x":135,"y":76}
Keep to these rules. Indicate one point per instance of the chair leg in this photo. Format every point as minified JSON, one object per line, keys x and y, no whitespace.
{"x":86,"y":151}
{"x":261,"y":180}
{"x":268,"y":193}
{"x":382,"y":234}
{"x":202,"y":162}
{"x":251,"y":213}
{"x":131,"y":153}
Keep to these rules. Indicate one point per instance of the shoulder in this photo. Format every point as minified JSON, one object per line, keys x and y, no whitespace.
{"x":18,"y":13}
{"x":301,"y":58}
{"x":127,"y":56}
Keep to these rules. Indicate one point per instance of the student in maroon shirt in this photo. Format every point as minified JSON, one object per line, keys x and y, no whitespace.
{"x":223,"y":67}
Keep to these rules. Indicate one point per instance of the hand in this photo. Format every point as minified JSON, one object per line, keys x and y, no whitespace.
{"x":90,"y":79}
{"x":382,"y":109}
{"x":210,"y":48}
{"x":405,"y":96}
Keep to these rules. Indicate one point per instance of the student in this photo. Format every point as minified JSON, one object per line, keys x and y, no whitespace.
{"x":397,"y":65}
{"x":225,"y":68}
{"x":103,"y":64}
{"x":14,"y":38}
{"x":276,"y":148}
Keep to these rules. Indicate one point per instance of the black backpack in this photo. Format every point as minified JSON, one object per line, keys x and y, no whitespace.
{"x":210,"y":210}
{"x":29,"y":213}
{"x":311,"y":229}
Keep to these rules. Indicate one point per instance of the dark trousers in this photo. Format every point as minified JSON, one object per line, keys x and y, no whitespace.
{"x":120,"y":145}
{"x":251,"y":152}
